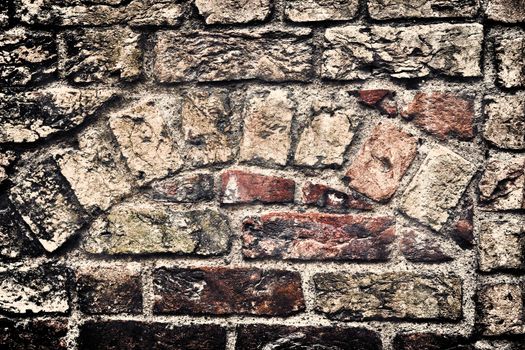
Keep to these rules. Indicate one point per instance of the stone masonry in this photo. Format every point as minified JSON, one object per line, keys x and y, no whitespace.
{"x":262,"y":174}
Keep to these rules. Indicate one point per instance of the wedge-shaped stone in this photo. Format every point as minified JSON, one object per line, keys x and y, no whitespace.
{"x":393,"y":295}
{"x":390,"y":9}
{"x":357,"y":52}
{"x":147,"y":228}
{"x":274,"y":55}
{"x":437,"y":187}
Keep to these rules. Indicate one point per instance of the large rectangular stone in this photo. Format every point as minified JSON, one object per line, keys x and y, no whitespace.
{"x":321,"y":10}
{"x":274,"y":55}
{"x":387,"y":296}
{"x":33,"y":334}
{"x":390,"y":9}
{"x":358,"y":52}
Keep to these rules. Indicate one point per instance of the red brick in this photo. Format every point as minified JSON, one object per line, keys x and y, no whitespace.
{"x":239,"y":186}
{"x":326,"y":197}
{"x":422,"y":247}
{"x":442,"y":114}
{"x":226,"y":291}
{"x":307,"y":236}
{"x":382,"y":161}
{"x":380,"y":99}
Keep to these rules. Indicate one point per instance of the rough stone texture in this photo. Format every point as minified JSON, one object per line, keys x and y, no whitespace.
{"x":210,"y":127}
{"x":462,"y":229}
{"x":133,"y":335}
{"x":505,"y":123}
{"x":502,"y":186}
{"x":96,"y":165}
{"x":144,"y":133}
{"x":99,"y":12}
{"x":46,"y":203}
{"x":320,"y":10}
{"x":187,"y":188}
{"x":27,"y":56}
{"x":109,"y":290}
{"x":329,"y":131}
{"x":274,"y":55}
{"x":389,"y":9}
{"x":267,"y":124}
{"x":41,"y":335}
{"x":233,"y":11}
{"x":437,"y":187}
{"x":4,"y":15}
{"x":442,"y":114}
{"x":5,"y":160}
{"x":100,"y":55}
{"x":357,"y":52}
{"x":326,"y":197}
{"x":421,"y":246}
{"x":225,"y":291}
{"x":431,"y":341}
{"x":380,"y":99}
{"x":510,"y":58}
{"x":142,"y":227}
{"x":509,"y":11}
{"x":35,"y":290}
{"x":239,"y":186}
{"x":251,"y":337}
{"x":500,"y":309}
{"x":382,"y":161}
{"x":30,"y":116}
{"x":501,"y":243}
{"x":393,"y":295}
{"x":313,"y":236}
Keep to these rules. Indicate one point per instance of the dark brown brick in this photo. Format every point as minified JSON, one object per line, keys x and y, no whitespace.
{"x":33,"y":335}
{"x":326,"y":197}
{"x":185,"y":188}
{"x":226,"y":291}
{"x":132,"y":335}
{"x":419,"y":246}
{"x":381,"y":99}
{"x":239,"y":186}
{"x":431,"y":341}
{"x":252,"y":337}
{"x":312,"y":236}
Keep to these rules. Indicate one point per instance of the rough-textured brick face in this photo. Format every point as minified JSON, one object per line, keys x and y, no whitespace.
{"x":508,"y":11}
{"x":431,"y":341}
{"x":187,"y":188}
{"x":501,"y":243}
{"x":327,"y":197}
{"x":42,"y":335}
{"x":505,"y":123}
{"x":419,"y":246}
{"x":226,"y":291}
{"x":232,"y":11}
{"x":391,"y":9}
{"x":510,"y":48}
{"x":320,"y":10}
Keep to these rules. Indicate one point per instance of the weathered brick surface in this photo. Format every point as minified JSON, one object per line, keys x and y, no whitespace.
{"x":318,"y":237}
{"x":267,"y":337}
{"x":381,"y":99}
{"x":185,"y":188}
{"x":239,"y":186}
{"x":231,"y":11}
{"x":393,"y":295}
{"x":327,"y":197}
{"x":320,"y":10}
{"x":509,"y":11}
{"x":135,"y":335}
{"x":505,"y":121}
{"x":42,"y":335}
{"x":357,"y":52}
{"x":431,"y":341}
{"x":420,"y":246}
{"x":226,"y":291}
{"x":501,"y":243}
{"x":510,"y":48}
{"x":390,"y":9}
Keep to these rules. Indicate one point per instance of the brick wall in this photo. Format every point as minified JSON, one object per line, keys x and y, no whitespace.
{"x":258,"y":174}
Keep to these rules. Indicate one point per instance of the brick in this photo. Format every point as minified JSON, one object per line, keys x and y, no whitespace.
{"x":431,"y":341}
{"x":380,"y":99}
{"x":437,"y":187}
{"x":442,"y":114}
{"x":357,"y":52}
{"x":259,"y":336}
{"x":509,"y":11}
{"x":146,"y":138}
{"x":421,"y":246}
{"x":28,"y":56}
{"x":510,"y":61}
{"x":501,"y":243}
{"x":500,"y":309}
{"x":41,"y":335}
{"x":100,"y":55}
{"x":226,"y":291}
{"x":232,"y":11}
{"x":505,"y":121}
{"x":35,"y":290}
{"x":99,"y":13}
{"x":33,"y":115}
{"x":267,"y":124}
{"x":238,"y":186}
{"x":210,"y":125}
{"x":189,"y":188}
{"x":462,"y":228}
{"x":273,"y":55}
{"x":388,"y":296}
{"x":133,"y":335}
{"x":312,"y":236}
{"x":382,"y":161}
{"x":391,"y":9}
{"x":142,"y":227}
{"x":502,"y":186}
{"x":320,"y":10}
{"x":327,"y":197}
{"x":46,"y":203}
{"x":96,"y":165}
